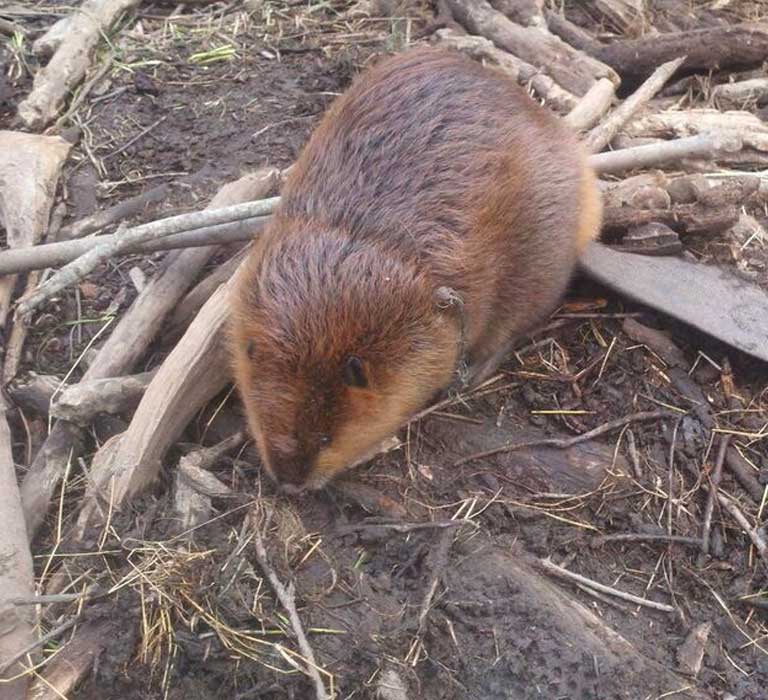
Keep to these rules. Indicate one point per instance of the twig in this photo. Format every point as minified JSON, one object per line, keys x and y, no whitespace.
{"x":287,"y":598}
{"x":130,"y":142}
{"x":714,"y":481}
{"x":55,"y":633}
{"x":549,"y":565}
{"x":565,"y":443}
{"x":744,"y":474}
{"x":54,"y":254}
{"x":704,"y":145}
{"x":122,"y":210}
{"x":118,"y":243}
{"x":398,"y":527}
{"x":641,"y":537}
{"x":754,"y":534}
{"x":591,"y":108}
{"x":603,"y":134}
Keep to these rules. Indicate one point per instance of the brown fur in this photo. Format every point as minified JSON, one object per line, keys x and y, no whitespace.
{"x":430,"y":172}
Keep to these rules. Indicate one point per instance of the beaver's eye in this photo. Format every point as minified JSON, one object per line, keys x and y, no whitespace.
{"x":354,"y":372}
{"x":325,"y":440}
{"x":251,"y":349}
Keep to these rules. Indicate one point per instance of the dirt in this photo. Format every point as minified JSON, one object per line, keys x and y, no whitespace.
{"x":443,"y":612}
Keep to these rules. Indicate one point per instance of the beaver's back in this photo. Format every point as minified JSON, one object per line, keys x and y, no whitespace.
{"x":433,"y":158}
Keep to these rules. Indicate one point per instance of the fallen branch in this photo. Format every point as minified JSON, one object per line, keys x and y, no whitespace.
{"x":549,"y":565}
{"x":193,"y":302}
{"x":482,"y":49}
{"x":571,"y":69}
{"x":81,"y":402}
{"x":754,"y":534}
{"x":70,"y":61}
{"x":712,"y":48}
{"x":120,"y":242}
{"x":591,"y":108}
{"x":565,"y":443}
{"x":54,"y":254}
{"x":745,"y":474}
{"x":195,"y":486}
{"x":705,"y":145}
{"x":120,"y":211}
{"x":71,"y":664}
{"x":17,"y":578}
{"x":690,"y":219}
{"x":603,"y":134}
{"x":287,"y":597}
{"x":714,"y":484}
{"x":740,"y":94}
{"x":744,"y":126}
{"x":194,"y":372}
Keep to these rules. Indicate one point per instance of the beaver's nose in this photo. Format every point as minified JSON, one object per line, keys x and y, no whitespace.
{"x":290,"y":489}
{"x":289,"y":472}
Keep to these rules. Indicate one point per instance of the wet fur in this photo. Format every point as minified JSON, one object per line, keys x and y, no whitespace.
{"x":430,"y":172}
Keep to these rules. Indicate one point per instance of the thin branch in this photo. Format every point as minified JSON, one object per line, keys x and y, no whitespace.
{"x":120,"y":242}
{"x":549,"y":565}
{"x":714,"y":481}
{"x":286,"y":596}
{"x":565,"y":443}
{"x":603,"y":134}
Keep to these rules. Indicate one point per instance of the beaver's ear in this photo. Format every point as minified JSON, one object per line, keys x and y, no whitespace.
{"x":447,"y":299}
{"x":355,"y":372}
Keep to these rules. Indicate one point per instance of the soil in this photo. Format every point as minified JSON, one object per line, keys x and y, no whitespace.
{"x":439,"y":613}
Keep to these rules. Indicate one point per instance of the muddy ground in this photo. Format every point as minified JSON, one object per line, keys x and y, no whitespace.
{"x":193,"y":617}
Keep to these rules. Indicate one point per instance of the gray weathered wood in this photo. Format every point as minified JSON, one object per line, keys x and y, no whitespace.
{"x":704,"y":296}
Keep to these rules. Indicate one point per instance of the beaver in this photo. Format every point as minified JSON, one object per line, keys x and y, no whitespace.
{"x":435,"y":215}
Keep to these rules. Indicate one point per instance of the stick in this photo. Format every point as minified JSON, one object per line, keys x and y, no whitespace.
{"x":603,"y":134}
{"x":54,"y":254}
{"x":193,"y":302}
{"x":717,"y":473}
{"x":194,"y":372}
{"x":82,"y":401}
{"x":641,"y":537}
{"x":705,"y":145}
{"x":122,"y":210}
{"x":120,"y":242}
{"x":744,"y":474}
{"x":549,"y":565}
{"x":712,"y":48}
{"x":17,"y":578}
{"x":480,"y":48}
{"x":591,"y":108}
{"x":71,"y":60}
{"x":62,"y":673}
{"x":737,"y":95}
{"x":571,"y":69}
{"x":748,"y":127}
{"x":754,"y":534}
{"x":565,"y":443}
{"x":287,"y":598}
